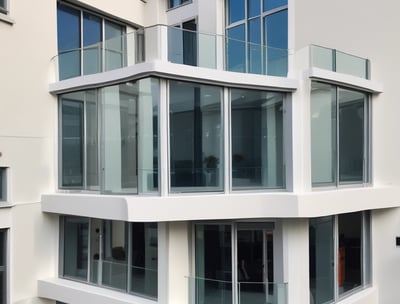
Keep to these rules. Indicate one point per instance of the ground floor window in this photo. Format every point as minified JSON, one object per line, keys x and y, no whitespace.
{"x":234,"y":263}
{"x":112,"y":254}
{"x":339,"y":255}
{"x":3,"y":266}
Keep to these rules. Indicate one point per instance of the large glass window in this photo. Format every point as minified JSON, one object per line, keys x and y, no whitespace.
{"x":257,"y":139}
{"x":339,"y":135}
{"x":3,"y":266}
{"x":121,"y":255}
{"x":128,"y":129}
{"x":339,"y":255}
{"x":196,"y":137}
{"x":3,"y":6}
{"x":80,"y":34}
{"x":257,"y":36}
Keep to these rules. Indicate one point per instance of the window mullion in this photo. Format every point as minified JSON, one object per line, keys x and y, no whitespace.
{"x":337,"y":174}
{"x":336,"y":257}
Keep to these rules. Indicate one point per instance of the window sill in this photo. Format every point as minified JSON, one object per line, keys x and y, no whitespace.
{"x":6,"y":19}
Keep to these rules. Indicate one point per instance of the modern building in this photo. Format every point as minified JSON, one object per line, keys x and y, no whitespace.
{"x":199,"y":152}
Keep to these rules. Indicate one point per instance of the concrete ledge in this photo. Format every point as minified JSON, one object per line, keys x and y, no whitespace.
{"x":79,"y":293}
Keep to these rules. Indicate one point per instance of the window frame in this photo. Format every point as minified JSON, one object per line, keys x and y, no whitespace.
{"x":5,"y":9}
{"x":171,"y":6}
{"x":367,"y":132}
{"x":4,"y":268}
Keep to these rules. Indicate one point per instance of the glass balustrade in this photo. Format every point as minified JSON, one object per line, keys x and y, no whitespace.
{"x":175,"y":45}
{"x":337,"y":61}
{"x":211,"y":291}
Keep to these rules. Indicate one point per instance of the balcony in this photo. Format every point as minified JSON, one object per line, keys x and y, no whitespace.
{"x":202,"y":290}
{"x":174,"y":45}
{"x":337,"y":61}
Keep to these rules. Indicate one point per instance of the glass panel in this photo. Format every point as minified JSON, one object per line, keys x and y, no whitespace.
{"x":72,"y":139}
{"x":257,"y":139}
{"x":144,"y":259}
{"x":236,"y":10}
{"x":114,"y":46}
{"x":120,"y":138}
{"x":322,"y":57}
{"x":276,"y":31}
{"x":115,"y":257}
{"x":350,"y":252}
{"x":207,"y":51}
{"x":195,"y":137}
{"x":69,"y":37}
{"x":254,"y":47}
{"x":236,"y":49}
{"x":76,"y":247}
{"x":2,"y":184}
{"x":189,"y":43}
{"x":272,"y":4}
{"x":351,"y":136}
{"x":367,"y":249}
{"x":92,"y":145}
{"x":254,"y":8}
{"x":175,"y":45}
{"x":3,"y":5}
{"x":96,"y":239}
{"x":322,"y":259}
{"x":323,"y":134}
{"x":3,"y":248}
{"x":147,"y":127}
{"x":352,"y":65}
{"x":213,"y":264}
{"x":92,"y":35}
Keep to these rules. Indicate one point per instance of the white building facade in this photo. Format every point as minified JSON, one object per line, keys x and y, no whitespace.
{"x":198,"y":152}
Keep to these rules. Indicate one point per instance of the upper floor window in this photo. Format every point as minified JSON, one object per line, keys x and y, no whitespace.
{"x":176,"y":3}
{"x":4,"y":6}
{"x":257,"y":36}
{"x":340,"y":255}
{"x":113,"y":254}
{"x":124,"y":118}
{"x":339,"y":135}
{"x":87,"y":43}
{"x":3,"y":184}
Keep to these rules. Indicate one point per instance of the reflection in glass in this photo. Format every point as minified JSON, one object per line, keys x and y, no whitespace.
{"x":322,"y":259}
{"x":351,"y":135}
{"x":257,"y":139}
{"x":350,"y":251}
{"x":213,"y":264}
{"x":144,"y":259}
{"x":323,"y":134}
{"x":236,"y":49}
{"x":236,"y":10}
{"x":114,"y":46}
{"x":92,"y":35}
{"x":195,"y":137}
{"x":273,"y":4}
{"x":254,"y":46}
{"x":76,"y":247}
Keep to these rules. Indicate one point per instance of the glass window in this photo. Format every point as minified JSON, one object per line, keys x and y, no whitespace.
{"x":339,"y":255}
{"x":3,"y":6}
{"x":236,"y":10}
{"x":273,"y":4}
{"x":236,"y":44}
{"x":129,"y":131}
{"x":118,"y":251}
{"x":257,"y":139}
{"x":339,"y":135}
{"x":3,"y":184}
{"x":76,"y":252}
{"x":175,"y":3}
{"x":80,"y":43}
{"x":196,"y":135}
{"x":182,"y":43}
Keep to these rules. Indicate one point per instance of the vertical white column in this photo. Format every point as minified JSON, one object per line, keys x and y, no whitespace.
{"x":296,"y":260}
{"x":163,"y":140}
{"x":178,"y":251}
{"x":163,"y":264}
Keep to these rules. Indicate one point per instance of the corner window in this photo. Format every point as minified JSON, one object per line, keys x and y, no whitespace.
{"x":128,"y":158}
{"x":257,"y":139}
{"x":114,"y":254}
{"x":176,"y":3}
{"x":196,"y":137}
{"x":87,"y":43}
{"x":339,"y":135}
{"x":3,"y":184}
{"x":257,"y":36}
{"x":339,"y":255}
{"x":3,"y":6}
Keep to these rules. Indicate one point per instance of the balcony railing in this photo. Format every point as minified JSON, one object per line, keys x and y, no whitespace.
{"x":172,"y":44}
{"x":337,"y":61}
{"x":210,"y":291}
